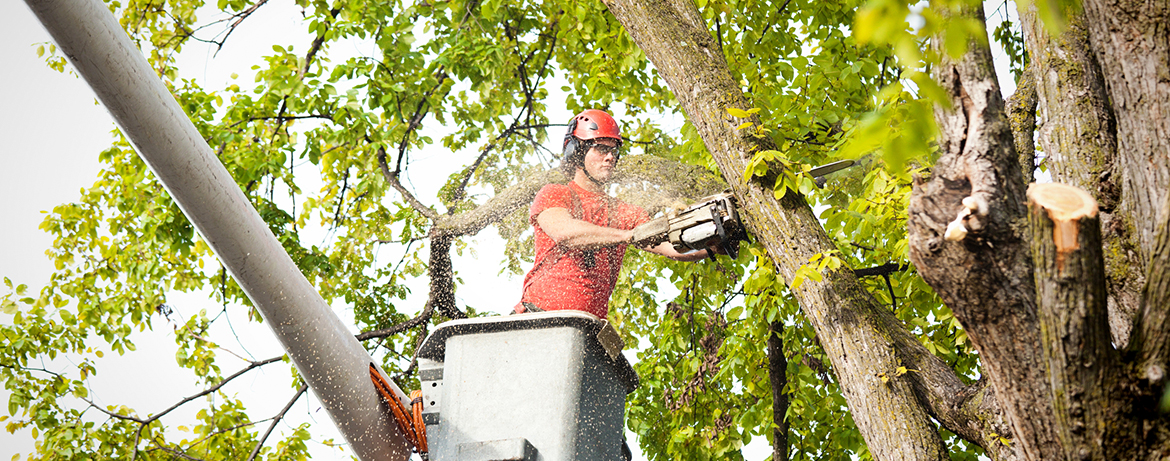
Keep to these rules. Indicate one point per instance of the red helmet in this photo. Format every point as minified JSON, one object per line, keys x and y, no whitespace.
{"x":590,"y":124}
{"x":593,"y":124}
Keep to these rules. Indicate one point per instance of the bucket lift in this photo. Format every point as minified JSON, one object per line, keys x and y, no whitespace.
{"x":539,"y":386}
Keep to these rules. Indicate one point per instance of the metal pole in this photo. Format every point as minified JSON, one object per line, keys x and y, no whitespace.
{"x":321,"y":346}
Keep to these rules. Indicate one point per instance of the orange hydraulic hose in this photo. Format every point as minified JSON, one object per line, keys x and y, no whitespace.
{"x":416,"y":401}
{"x":411,"y":425}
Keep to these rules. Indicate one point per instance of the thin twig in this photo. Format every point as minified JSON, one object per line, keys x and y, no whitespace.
{"x":275,"y":420}
{"x":114,"y":415}
{"x":423,"y":316}
{"x":392,"y":178}
{"x":240,"y":17}
{"x":250,"y":367}
{"x":213,"y":434}
{"x":159,"y":446}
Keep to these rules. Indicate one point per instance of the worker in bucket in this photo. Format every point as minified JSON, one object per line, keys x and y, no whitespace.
{"x":582,"y":233}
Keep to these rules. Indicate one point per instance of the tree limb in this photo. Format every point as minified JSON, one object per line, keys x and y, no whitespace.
{"x":777,"y":373}
{"x":884,"y":269}
{"x":112,"y":414}
{"x":1021,"y":107}
{"x":422,"y":318}
{"x":1071,"y":298}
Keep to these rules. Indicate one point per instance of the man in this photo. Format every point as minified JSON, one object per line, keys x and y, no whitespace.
{"x":582,"y":233}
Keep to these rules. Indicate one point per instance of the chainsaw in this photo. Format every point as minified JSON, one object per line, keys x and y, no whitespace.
{"x":711,"y":221}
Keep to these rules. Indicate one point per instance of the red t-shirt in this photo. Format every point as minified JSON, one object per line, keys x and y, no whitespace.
{"x":561,"y":278}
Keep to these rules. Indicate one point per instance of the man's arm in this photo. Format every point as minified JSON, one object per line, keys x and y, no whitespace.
{"x":575,"y":233}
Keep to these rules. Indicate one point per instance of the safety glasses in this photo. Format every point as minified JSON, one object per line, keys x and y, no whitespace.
{"x":604,"y":149}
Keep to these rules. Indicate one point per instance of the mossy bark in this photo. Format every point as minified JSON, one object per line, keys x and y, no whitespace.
{"x":1022,"y":115}
{"x":1131,"y":40}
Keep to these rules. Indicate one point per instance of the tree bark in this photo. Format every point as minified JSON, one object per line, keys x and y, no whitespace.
{"x":1022,"y":114}
{"x":1131,"y":40}
{"x":1071,"y":295}
{"x":1152,"y":333}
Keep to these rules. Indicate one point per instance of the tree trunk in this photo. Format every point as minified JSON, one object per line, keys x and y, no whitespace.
{"x":986,"y":277}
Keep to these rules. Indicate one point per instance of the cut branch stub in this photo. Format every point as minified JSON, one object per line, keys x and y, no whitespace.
{"x":1065,"y":205}
{"x":1079,"y":359}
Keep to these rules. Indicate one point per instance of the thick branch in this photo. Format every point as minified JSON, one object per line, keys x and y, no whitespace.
{"x":496,"y":208}
{"x":1022,"y":115}
{"x":644,"y":180}
{"x":777,"y":372}
{"x":442,"y":294}
{"x":422,"y":318}
{"x":884,"y":269}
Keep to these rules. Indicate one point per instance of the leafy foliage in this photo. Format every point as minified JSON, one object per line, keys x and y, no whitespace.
{"x":829,"y":80}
